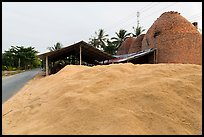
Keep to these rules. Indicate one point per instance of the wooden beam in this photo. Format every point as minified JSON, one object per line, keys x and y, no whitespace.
{"x":46,"y":66}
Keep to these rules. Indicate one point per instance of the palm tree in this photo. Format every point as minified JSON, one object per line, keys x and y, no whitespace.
{"x":61,"y":62}
{"x":94,"y":42}
{"x":137,"y":31}
{"x":99,"y":41}
{"x":101,"y":37}
{"x":121,"y":36}
{"x":110,"y":48}
{"x":57,"y":46}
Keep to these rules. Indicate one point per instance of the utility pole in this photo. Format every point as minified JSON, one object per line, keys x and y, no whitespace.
{"x":136,"y":29}
{"x":138,"y":15}
{"x":19,"y":62}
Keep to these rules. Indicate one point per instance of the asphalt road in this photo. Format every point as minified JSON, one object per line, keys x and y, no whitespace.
{"x":12,"y":84}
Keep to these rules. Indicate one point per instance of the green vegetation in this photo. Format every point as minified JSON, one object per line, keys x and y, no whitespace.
{"x":121,"y":36}
{"x":99,"y":41}
{"x":102,"y":42}
{"x":60,"y":63}
{"x":137,"y":31}
{"x":110,"y":48}
{"x":20,"y":58}
{"x":57,"y":46}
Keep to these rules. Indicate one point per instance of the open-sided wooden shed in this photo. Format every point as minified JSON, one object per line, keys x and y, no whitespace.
{"x":82,"y":50}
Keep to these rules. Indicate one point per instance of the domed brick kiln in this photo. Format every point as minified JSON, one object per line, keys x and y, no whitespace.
{"x":176,"y":39}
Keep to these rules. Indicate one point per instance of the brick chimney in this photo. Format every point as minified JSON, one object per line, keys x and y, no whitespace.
{"x":195,"y":24}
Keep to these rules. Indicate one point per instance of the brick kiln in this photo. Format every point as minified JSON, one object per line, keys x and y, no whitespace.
{"x":124,"y":48}
{"x":131,"y":45}
{"x":176,"y":39}
{"x":136,"y":44}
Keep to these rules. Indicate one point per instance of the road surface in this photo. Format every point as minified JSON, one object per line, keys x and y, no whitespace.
{"x":12,"y":84}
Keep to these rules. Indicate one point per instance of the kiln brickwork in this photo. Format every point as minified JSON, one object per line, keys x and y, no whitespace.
{"x":176,"y":39}
{"x":131,"y":45}
{"x":136,"y":45}
{"x":124,"y":48}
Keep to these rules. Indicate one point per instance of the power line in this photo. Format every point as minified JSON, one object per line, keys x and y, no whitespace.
{"x":130,"y":16}
{"x":195,"y":17}
{"x":152,"y":6}
{"x":154,"y":12}
{"x":125,"y":21}
{"x":147,"y":8}
{"x":200,"y":13}
{"x":172,"y":19}
{"x":161,"y":9}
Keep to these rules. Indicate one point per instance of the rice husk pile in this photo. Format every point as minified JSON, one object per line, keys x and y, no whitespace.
{"x":112,"y":99}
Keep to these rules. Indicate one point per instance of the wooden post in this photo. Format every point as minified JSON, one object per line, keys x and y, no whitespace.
{"x":46,"y":66}
{"x":155,"y":57}
{"x":80,"y":55}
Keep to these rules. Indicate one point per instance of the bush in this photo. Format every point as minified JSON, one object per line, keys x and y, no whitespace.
{"x":4,"y":68}
{"x":9,"y":68}
{"x":14,"y":69}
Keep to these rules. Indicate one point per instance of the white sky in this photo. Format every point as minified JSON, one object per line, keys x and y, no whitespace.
{"x":42,"y":24}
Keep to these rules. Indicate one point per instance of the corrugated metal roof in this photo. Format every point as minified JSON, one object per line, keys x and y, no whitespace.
{"x":128,"y":57}
{"x":137,"y":55}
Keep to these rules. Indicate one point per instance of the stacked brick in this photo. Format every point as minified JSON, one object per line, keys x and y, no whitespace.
{"x":176,"y":39}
